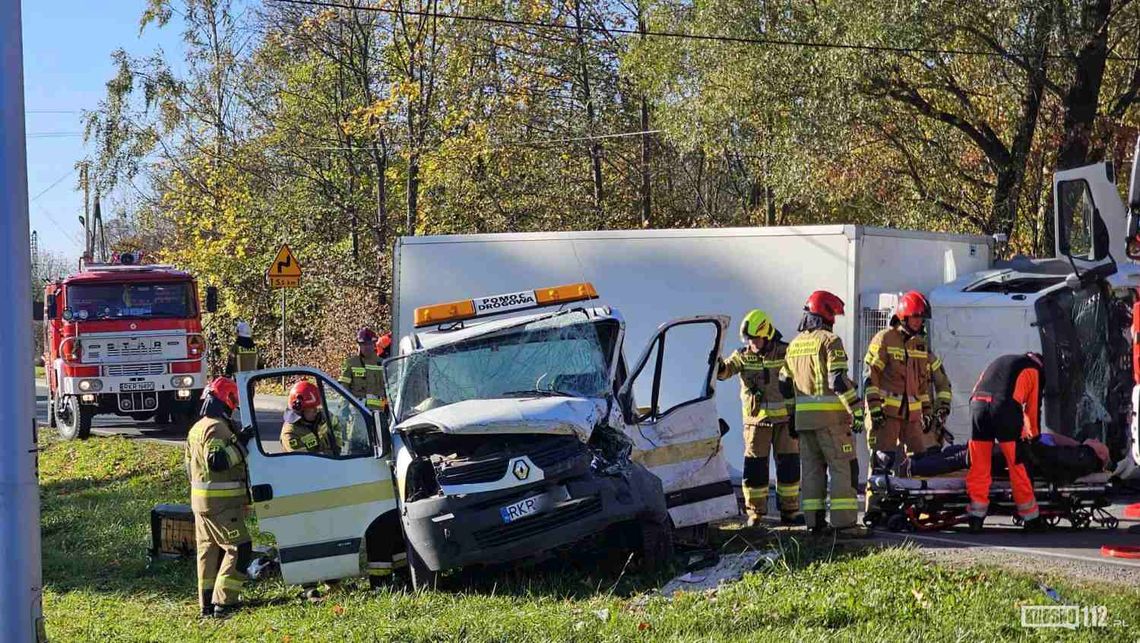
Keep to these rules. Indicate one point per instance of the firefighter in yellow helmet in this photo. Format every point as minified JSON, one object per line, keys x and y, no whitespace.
{"x":828,"y":412}
{"x":215,"y":462}
{"x":362,"y":372}
{"x":901,"y":371}
{"x":767,"y":419}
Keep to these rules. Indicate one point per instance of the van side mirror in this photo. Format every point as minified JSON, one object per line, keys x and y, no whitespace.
{"x":212,"y":299}
{"x":37,"y":311}
{"x":1100,"y":240}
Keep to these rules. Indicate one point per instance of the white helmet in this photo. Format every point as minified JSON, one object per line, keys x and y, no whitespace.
{"x":243,"y":330}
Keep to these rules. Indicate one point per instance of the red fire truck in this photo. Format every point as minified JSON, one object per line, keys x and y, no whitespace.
{"x":126,"y":339}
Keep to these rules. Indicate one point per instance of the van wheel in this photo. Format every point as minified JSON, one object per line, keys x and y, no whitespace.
{"x":74,"y":419}
{"x":423,"y":578}
{"x":656,"y":545}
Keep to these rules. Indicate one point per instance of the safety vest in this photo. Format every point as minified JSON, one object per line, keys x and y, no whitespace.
{"x":812,"y":360}
{"x":244,"y":359}
{"x":303,"y":436}
{"x":760,"y":395}
{"x":901,"y":369}
{"x":215,"y":490}
{"x":365,"y":379}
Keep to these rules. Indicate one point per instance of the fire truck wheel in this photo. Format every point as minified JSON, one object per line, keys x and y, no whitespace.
{"x":74,"y":419}
{"x":51,"y":412}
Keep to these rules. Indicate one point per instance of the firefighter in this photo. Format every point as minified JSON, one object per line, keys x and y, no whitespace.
{"x":305,"y":429}
{"x":362,"y":372}
{"x":900,"y":372}
{"x":1004,"y":407}
{"x":827,"y":412}
{"x":243,"y":354}
{"x":767,"y":421}
{"x":215,"y":462}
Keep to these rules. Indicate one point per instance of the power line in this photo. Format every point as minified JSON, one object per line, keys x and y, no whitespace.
{"x":53,"y":111}
{"x":778,"y":42}
{"x":503,"y":145}
{"x":53,"y":184}
{"x":52,"y":134}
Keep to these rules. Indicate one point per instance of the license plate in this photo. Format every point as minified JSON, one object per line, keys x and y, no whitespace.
{"x":524,"y":507}
{"x":131,"y":387}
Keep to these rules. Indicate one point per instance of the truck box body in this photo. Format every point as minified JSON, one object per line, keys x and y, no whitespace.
{"x":654,"y":275}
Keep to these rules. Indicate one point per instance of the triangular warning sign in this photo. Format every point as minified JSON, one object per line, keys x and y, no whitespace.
{"x":285,"y":264}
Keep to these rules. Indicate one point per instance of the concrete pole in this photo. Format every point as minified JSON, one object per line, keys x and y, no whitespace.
{"x":21,"y":612}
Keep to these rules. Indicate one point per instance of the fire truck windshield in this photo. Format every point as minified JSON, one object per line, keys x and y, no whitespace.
{"x":130,"y":301}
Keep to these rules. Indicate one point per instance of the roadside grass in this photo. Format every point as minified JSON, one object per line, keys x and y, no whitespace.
{"x":97,"y":496}
{"x":39,"y":372}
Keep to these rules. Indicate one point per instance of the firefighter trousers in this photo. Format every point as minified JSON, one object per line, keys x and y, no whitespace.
{"x":385,"y":550}
{"x":224,"y":553}
{"x":885,"y":441}
{"x":829,"y":453}
{"x":1001,"y":422}
{"x":759,"y":440}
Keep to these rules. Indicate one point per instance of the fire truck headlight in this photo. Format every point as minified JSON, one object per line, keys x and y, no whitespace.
{"x":90,"y":385}
{"x":182,"y":381}
{"x":87,"y":398}
{"x":183,"y":394}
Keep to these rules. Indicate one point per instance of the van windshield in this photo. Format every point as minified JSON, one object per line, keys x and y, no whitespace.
{"x":564,"y":355}
{"x":130,"y":301}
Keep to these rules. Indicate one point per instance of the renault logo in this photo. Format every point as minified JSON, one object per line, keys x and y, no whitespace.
{"x":521,"y":469}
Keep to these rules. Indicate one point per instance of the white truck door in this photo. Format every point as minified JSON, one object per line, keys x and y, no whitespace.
{"x":677,"y":435}
{"x":1089,"y":218}
{"x":316,"y":505}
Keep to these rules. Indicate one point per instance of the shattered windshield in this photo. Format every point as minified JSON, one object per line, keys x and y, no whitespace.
{"x":564,"y":355}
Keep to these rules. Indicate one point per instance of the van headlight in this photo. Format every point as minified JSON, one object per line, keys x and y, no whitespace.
{"x":90,"y":385}
{"x":182,"y":381}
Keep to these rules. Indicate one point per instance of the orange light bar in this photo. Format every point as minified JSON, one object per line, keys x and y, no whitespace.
{"x":443,"y":313}
{"x":562,"y":294}
{"x":509,"y":302}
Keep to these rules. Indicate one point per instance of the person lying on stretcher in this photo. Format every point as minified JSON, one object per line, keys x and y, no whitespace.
{"x":1048,"y":457}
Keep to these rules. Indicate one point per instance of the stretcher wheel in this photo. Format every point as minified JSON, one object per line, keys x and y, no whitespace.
{"x":898,"y":522}
{"x":873,"y":518}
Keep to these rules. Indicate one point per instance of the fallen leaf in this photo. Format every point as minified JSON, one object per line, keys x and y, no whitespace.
{"x":338,"y":610}
{"x":641,"y":627}
{"x":602,"y":614}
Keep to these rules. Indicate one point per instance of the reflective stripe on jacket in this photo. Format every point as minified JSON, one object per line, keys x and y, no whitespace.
{"x":760,"y":395}
{"x":214,"y":490}
{"x":364,"y":378}
{"x":901,"y":371}
{"x":813,"y":360}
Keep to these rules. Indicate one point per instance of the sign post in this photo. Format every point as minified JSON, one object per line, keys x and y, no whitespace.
{"x":284,"y":272}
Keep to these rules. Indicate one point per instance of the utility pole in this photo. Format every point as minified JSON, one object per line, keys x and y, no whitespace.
{"x":21,"y":609}
{"x":85,"y":179}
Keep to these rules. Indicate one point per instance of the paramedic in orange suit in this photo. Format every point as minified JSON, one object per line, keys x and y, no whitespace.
{"x":1004,"y":407}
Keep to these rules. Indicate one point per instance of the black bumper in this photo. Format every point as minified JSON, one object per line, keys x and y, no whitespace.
{"x":455,"y":531}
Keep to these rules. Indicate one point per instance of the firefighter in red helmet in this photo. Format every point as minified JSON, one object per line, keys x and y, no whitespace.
{"x":216,"y":464}
{"x":827,"y":413}
{"x":305,"y":428}
{"x":901,"y":373}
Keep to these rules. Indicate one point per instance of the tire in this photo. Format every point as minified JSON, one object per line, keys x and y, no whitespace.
{"x":656,"y":546}
{"x":182,"y":419}
{"x":78,"y":423}
{"x":898,"y":522}
{"x":423,"y":578}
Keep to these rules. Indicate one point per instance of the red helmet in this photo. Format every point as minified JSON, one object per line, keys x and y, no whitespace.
{"x":912,"y":304}
{"x":384,"y":343}
{"x":304,"y":395}
{"x":366,"y":336}
{"x":225,"y":390}
{"x":824,"y":304}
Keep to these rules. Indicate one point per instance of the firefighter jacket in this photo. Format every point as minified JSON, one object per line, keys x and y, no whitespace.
{"x":297,"y":435}
{"x":364,"y":377}
{"x":901,"y":369}
{"x":815,"y":370}
{"x":215,"y":462}
{"x":760,"y":395}
{"x":241,"y":358}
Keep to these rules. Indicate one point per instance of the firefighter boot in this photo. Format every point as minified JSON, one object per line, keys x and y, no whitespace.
{"x":792,"y":519}
{"x":853,"y":532}
{"x":975,"y":523}
{"x":1035,"y":525}
{"x":207,"y":603}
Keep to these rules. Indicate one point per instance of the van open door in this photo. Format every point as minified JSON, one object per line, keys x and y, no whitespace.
{"x":677,"y":435}
{"x":319,"y":503}
{"x":1089,"y":218}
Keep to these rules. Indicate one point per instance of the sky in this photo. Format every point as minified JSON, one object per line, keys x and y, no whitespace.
{"x":67,"y":62}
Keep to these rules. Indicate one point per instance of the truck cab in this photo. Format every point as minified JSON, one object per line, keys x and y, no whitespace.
{"x":124,"y":339}
{"x":514,"y":432}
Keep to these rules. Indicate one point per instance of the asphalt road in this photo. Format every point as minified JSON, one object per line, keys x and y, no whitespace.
{"x":1068,"y":551}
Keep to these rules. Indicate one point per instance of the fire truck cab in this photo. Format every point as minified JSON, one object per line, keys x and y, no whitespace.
{"x":125,"y":339}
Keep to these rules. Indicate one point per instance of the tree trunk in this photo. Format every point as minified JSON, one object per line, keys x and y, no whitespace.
{"x":587,"y":98}
{"x":1082,"y":100}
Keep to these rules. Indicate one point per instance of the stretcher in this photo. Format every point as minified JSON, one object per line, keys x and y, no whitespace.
{"x":932,"y":504}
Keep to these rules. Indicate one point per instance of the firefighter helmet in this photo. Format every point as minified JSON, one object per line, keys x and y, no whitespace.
{"x":384,"y":343}
{"x":824,"y":304}
{"x":366,"y":336}
{"x":304,"y":395}
{"x":224,"y":390}
{"x":912,"y":304}
{"x":756,"y":324}
{"x":243,"y":329}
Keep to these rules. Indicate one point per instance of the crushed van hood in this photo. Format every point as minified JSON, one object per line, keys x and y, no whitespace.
{"x":543,"y":415}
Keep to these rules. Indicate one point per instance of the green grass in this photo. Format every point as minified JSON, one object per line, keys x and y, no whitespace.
{"x":39,"y":372}
{"x":99,"y":587}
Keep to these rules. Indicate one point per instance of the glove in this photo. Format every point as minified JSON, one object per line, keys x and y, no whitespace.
{"x":876,"y":414}
{"x":941,"y":413}
{"x":244,"y":436}
{"x":792,"y":429}
{"x":858,"y":422}
{"x":927,"y":423}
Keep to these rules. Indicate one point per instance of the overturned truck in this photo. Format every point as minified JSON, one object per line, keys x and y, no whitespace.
{"x":510,"y":438}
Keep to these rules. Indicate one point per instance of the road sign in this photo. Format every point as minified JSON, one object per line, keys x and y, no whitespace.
{"x":285,"y":270}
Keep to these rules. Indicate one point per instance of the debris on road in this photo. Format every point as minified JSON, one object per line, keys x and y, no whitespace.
{"x":730,"y":568}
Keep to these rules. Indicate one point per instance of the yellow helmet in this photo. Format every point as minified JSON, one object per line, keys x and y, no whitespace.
{"x":756,"y":324}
